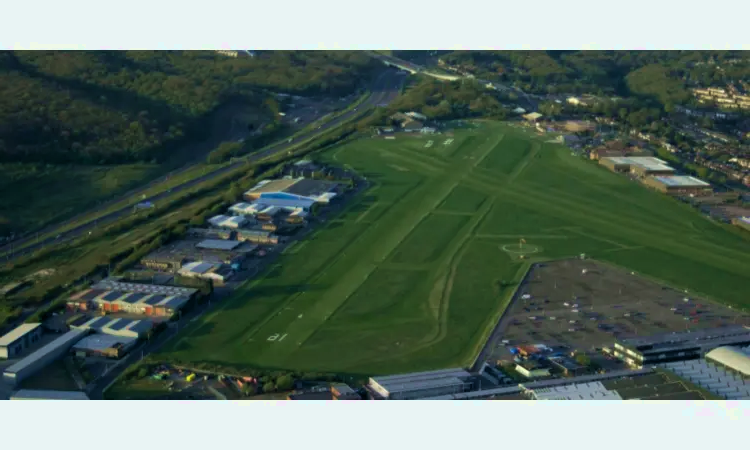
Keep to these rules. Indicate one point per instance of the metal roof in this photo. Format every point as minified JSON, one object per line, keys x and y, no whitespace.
{"x":174,"y":302}
{"x":731,"y":357}
{"x":99,"y":342}
{"x":67,"y":339}
{"x":682,"y":181}
{"x":154,"y":299}
{"x":92,"y":294}
{"x":274,"y":185}
{"x":28,"y":394}
{"x":112,"y":295}
{"x":198,"y":267}
{"x":285,"y":200}
{"x":456,"y":372}
{"x":112,"y":285}
{"x":218,"y":244}
{"x":648,"y":163}
{"x":418,"y":385}
{"x":134,"y":297}
{"x":311,"y":188}
{"x":17,"y":333}
{"x":686,"y":336}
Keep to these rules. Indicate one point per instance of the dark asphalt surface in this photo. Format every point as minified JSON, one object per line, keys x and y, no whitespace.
{"x":385,"y":88}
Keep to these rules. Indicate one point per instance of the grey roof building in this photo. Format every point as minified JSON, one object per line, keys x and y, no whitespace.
{"x":42,"y":357}
{"x":19,"y":339}
{"x":419,"y":385}
{"x":28,"y":394}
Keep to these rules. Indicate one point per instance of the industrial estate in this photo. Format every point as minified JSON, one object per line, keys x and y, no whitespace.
{"x":445,"y":260}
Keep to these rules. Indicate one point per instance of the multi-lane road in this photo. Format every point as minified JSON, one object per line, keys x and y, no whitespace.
{"x":385,"y":89}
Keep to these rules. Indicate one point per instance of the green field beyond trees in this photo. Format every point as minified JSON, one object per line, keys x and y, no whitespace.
{"x":415,"y":273}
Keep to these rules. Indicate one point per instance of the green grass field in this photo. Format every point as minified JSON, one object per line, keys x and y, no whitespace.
{"x":34,"y":196}
{"x":414,"y":274}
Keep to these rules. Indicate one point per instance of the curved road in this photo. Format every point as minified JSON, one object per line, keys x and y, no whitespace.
{"x":385,"y":89}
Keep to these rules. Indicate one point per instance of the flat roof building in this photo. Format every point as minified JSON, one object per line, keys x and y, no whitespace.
{"x":218,"y":244}
{"x":678,"y":185}
{"x":21,"y":338}
{"x":257,"y":236}
{"x":412,"y":386}
{"x":121,"y":327}
{"x":638,"y":165}
{"x":663,"y":348}
{"x":116,"y":285}
{"x":106,"y":345}
{"x":567,"y":366}
{"x":344,"y":392}
{"x":232,"y":222}
{"x":532,"y":369}
{"x":207,"y":271}
{"x":594,"y":390}
{"x":41,"y":358}
{"x":29,"y":394}
{"x":712,"y":376}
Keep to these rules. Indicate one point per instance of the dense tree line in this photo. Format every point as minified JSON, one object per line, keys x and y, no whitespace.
{"x":442,"y":100}
{"x":113,"y":107}
{"x":661,"y":75}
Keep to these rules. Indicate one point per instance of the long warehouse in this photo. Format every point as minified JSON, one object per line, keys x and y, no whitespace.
{"x":419,"y":385}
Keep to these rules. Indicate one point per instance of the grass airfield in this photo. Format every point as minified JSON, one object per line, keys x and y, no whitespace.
{"x":415,"y":272}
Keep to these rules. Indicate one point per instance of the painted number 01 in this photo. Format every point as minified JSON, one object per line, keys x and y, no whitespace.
{"x":276,"y":337}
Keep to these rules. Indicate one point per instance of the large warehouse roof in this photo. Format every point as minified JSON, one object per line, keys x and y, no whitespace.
{"x":648,"y":163}
{"x":28,"y":394}
{"x":111,"y":285}
{"x":67,"y":339}
{"x":116,"y":325}
{"x":279,"y":185}
{"x":100,"y":342}
{"x":460,"y":373}
{"x":218,"y":244}
{"x":681,"y":181}
{"x":18,"y":332}
{"x":420,"y":380}
{"x":731,"y":357}
{"x":580,"y":391}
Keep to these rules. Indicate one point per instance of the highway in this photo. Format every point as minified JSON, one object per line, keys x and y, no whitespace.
{"x":529,"y":102}
{"x":386,"y":88}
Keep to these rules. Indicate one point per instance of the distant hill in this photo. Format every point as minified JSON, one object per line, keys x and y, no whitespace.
{"x":115,"y":107}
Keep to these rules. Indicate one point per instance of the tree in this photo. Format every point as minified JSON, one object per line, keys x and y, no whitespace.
{"x":285,"y":382}
{"x":269,"y":387}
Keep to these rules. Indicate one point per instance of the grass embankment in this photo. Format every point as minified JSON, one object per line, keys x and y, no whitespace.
{"x":412,"y":274}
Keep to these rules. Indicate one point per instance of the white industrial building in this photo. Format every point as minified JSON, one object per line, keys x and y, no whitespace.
{"x":207,"y":271}
{"x":21,"y":338}
{"x":44,"y":356}
{"x":413,"y":386}
{"x":29,"y":394}
{"x":223,"y":221}
{"x":594,"y":390}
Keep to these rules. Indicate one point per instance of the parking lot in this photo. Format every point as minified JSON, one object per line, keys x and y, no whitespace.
{"x":584,"y":305}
